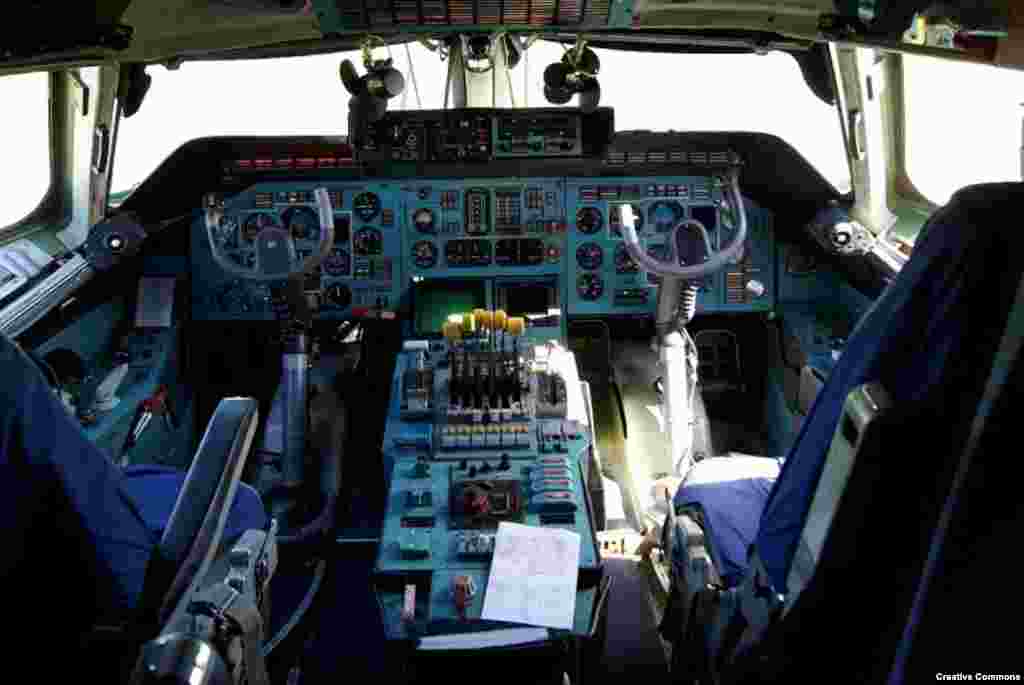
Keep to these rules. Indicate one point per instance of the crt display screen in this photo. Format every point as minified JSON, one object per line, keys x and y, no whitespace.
{"x":523,"y":299}
{"x":436,"y":300}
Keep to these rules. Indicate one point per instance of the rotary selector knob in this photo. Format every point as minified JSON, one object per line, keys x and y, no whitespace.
{"x":755,"y":288}
{"x":842,"y":234}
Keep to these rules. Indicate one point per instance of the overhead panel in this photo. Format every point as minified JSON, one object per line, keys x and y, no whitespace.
{"x":344,"y":16}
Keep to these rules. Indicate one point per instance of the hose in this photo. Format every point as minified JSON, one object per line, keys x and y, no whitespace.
{"x":321,"y":525}
{"x":300,"y":611}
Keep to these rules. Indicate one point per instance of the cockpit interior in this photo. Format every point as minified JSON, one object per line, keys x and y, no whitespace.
{"x":516,"y":382}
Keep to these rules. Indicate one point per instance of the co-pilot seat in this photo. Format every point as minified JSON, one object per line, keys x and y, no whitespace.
{"x":93,"y":545}
{"x":924,"y":350}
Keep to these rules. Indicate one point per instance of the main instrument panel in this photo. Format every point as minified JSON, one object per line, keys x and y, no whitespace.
{"x":390,"y":234}
{"x":363,"y":269}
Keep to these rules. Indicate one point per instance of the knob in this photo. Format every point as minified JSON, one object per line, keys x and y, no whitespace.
{"x":486,"y":468}
{"x":503,"y":465}
{"x":463,"y":465}
{"x":755,"y":288}
{"x":842,"y":234}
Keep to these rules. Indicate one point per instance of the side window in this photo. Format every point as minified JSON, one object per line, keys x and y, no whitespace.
{"x":963,"y":125}
{"x":25,"y":140}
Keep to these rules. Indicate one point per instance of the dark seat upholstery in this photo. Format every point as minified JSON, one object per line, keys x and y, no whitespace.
{"x":154,"y":491}
{"x":81,"y":531}
{"x":930,"y":331}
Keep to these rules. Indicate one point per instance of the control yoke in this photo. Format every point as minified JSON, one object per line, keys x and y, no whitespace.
{"x":715,"y":262}
{"x":677,"y":303}
{"x":275,"y":258}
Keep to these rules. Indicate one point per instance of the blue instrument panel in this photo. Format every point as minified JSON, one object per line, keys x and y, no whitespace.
{"x":392,"y":233}
{"x":604,"y":280}
{"x":362,"y":270}
{"x":490,"y":227}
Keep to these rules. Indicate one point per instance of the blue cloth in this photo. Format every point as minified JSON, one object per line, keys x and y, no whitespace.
{"x":916,"y":336}
{"x":75,"y":527}
{"x":731,"y":492}
{"x":154,"y":490}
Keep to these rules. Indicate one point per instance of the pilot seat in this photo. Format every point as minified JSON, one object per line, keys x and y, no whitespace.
{"x":751,"y":540}
{"x":109,"y":554}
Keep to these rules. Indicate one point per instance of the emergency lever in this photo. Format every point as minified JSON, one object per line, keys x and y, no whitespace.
{"x":155,"y":404}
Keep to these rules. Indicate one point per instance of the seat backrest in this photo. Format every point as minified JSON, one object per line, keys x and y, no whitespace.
{"x":954,"y":308}
{"x":931,"y":333}
{"x":192,"y":536}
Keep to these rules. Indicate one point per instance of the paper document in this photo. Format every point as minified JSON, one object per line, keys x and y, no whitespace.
{"x":155,"y":302}
{"x":533,"y":576}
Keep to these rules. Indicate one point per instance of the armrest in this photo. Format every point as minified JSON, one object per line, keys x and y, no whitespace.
{"x":194,"y":530}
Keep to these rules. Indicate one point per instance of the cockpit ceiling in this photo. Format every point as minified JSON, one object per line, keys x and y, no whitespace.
{"x":146,"y":31}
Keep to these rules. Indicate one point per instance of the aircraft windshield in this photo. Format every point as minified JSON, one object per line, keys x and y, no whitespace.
{"x":304,"y":96}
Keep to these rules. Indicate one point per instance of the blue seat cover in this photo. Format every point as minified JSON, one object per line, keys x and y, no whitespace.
{"x":731,"y":493}
{"x":915,"y":336}
{"x":62,"y":501}
{"x":154,"y":490}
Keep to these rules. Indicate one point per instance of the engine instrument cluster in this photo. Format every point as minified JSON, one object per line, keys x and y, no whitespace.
{"x":503,"y":226}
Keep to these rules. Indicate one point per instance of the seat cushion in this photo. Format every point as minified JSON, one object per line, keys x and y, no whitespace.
{"x":154,"y":490}
{"x":731,"y":493}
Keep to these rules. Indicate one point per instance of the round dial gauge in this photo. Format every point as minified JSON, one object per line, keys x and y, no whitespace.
{"x":256,"y":222}
{"x":553,"y":254}
{"x":589,"y":220}
{"x":664,"y":215}
{"x":615,"y":219}
{"x":659,"y":252}
{"x":302,"y":222}
{"x":423,"y":220}
{"x":424,"y":254}
{"x":367,"y":241}
{"x":589,"y":286}
{"x":589,"y":256}
{"x":366,"y":206}
{"x":624,"y":263}
{"x":337,"y":263}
